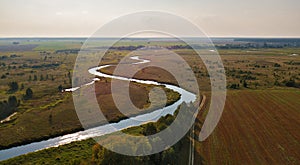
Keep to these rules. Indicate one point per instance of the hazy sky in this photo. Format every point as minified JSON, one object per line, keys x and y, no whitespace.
{"x":52,"y":18}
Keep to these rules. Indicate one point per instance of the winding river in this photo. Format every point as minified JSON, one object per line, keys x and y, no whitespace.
{"x":186,"y":96}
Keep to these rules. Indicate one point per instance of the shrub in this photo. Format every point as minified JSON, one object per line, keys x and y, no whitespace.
{"x":29,"y":94}
{"x":13,"y":86}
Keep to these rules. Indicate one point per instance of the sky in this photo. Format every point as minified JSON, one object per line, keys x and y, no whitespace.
{"x":217,"y":18}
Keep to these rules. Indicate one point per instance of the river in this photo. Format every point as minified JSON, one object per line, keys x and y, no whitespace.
{"x":186,"y":96}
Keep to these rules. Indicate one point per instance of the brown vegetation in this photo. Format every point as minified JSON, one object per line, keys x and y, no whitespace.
{"x":257,"y":127}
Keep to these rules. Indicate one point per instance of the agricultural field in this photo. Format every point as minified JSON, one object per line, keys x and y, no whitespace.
{"x":257,"y":127}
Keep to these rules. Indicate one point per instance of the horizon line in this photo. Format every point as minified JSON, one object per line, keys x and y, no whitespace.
{"x":141,"y":37}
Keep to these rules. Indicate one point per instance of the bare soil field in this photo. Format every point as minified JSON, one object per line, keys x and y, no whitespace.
{"x":257,"y":127}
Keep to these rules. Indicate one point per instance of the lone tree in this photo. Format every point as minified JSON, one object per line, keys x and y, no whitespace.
{"x":28,"y":94}
{"x":35,"y":78}
{"x":41,"y":78}
{"x":245,"y":84}
{"x":13,"y":102}
{"x":13,"y":86}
